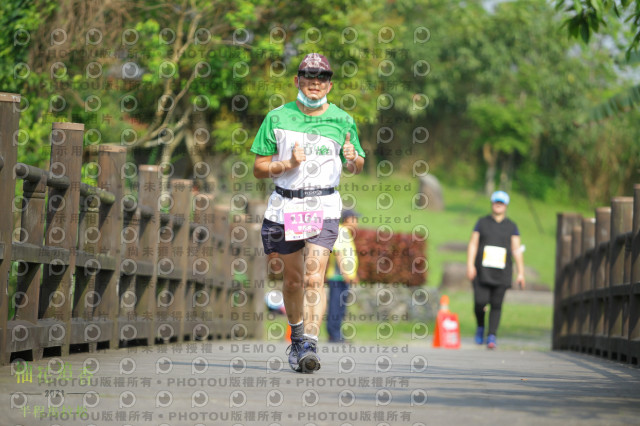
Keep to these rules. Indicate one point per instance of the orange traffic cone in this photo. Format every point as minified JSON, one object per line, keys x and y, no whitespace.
{"x":447,"y":332}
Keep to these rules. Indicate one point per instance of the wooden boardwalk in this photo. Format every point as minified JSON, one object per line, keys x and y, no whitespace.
{"x":250,"y":383}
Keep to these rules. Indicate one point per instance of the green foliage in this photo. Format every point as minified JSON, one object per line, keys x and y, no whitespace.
{"x":467,"y":75}
{"x":620,"y":103}
{"x":611,"y":146}
{"x":20,"y":19}
{"x":507,"y":126}
{"x":530,"y":181}
{"x":588,"y":16}
{"x":585,"y":19}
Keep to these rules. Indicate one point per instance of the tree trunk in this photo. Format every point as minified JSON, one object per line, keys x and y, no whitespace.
{"x":167,"y":153}
{"x":210,"y":183}
{"x":506,"y":171}
{"x":366,"y":136}
{"x":490,"y":157}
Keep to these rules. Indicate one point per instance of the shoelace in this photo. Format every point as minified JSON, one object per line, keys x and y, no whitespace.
{"x":312,"y":345}
{"x":297,"y":345}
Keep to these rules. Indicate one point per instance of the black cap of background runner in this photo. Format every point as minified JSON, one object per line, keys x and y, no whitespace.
{"x":349,"y":213}
{"x":315,"y":63}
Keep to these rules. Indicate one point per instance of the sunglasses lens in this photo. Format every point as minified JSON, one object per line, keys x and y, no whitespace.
{"x":319,"y":76}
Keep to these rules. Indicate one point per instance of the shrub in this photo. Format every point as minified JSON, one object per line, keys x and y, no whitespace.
{"x":396,"y":258}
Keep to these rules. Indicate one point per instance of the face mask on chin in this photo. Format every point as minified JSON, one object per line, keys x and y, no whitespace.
{"x":310,"y":103}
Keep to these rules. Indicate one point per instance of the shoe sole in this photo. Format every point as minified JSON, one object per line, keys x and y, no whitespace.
{"x":491,"y":346}
{"x":309,"y":364}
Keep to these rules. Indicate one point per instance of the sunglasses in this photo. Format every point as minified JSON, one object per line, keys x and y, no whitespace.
{"x":322,"y":76}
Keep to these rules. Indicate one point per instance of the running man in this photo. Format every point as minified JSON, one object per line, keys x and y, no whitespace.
{"x":303,"y":146}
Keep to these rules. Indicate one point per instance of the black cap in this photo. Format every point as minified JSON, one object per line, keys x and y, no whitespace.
{"x":349,"y":213}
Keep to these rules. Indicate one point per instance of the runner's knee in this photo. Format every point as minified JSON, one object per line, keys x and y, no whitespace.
{"x":313,"y":279}
{"x":292,"y":282}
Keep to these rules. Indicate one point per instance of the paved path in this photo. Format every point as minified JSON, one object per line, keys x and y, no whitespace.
{"x":249,"y":383}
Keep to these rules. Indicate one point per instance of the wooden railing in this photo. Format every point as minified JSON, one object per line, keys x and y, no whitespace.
{"x":95,"y":267}
{"x":597,"y":284}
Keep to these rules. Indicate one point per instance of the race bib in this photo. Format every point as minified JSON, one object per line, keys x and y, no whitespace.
{"x":300,"y":222}
{"x":494,"y":257}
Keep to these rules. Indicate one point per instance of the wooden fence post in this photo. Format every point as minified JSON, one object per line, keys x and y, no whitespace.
{"x":198,"y":267}
{"x":224,"y":266}
{"x":83,"y":330}
{"x":62,"y":232}
{"x":258,"y":280}
{"x":165,"y":284}
{"x":571,"y":292}
{"x":588,"y":244}
{"x":576,"y":252}
{"x":29,"y":274}
{"x":9,"y":121}
{"x":619,"y":294}
{"x":111,"y":159}
{"x":211,"y":313}
{"x":565,"y":224}
{"x":621,"y":213}
{"x":210,"y":288}
{"x":600,"y":271}
{"x":190,"y":309}
{"x":586,"y":284}
{"x":603,"y":234}
{"x":148,"y":196}
{"x":181,"y":213}
{"x":203,"y":290}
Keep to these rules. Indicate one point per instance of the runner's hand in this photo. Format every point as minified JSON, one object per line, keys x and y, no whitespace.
{"x":521,"y":282}
{"x":471,"y":272}
{"x":298,"y":155}
{"x":348,"y":150}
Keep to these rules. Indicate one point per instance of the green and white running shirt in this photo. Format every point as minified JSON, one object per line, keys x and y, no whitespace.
{"x":321,"y":137}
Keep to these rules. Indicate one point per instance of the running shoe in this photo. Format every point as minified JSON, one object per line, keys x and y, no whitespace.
{"x":491,"y":341}
{"x":308,"y":360}
{"x":293,"y":351}
{"x":480,"y":335}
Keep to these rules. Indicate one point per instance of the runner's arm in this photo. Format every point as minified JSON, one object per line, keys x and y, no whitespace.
{"x":517,"y":256}
{"x":264,"y":166}
{"x":472,"y":251}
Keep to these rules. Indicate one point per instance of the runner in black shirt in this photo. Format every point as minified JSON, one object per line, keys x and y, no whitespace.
{"x":495,"y":241}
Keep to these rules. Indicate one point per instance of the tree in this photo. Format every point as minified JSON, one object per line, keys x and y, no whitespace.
{"x":506,"y":129}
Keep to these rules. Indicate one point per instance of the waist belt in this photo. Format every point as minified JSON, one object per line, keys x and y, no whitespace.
{"x":302,"y":193}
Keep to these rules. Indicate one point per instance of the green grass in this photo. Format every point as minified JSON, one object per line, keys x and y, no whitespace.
{"x":518,"y":319}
